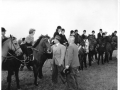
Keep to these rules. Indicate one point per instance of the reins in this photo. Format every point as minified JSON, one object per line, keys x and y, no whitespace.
{"x":12,"y":56}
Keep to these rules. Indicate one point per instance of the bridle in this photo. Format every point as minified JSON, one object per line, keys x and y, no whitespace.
{"x":11,"y":55}
{"x":16,"y":49}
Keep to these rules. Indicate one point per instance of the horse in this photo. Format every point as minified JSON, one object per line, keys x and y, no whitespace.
{"x":111,"y":45}
{"x":11,"y":55}
{"x":82,"y":53}
{"x":114,"y":41}
{"x":92,"y":48}
{"x":42,"y":49}
{"x":100,"y":50}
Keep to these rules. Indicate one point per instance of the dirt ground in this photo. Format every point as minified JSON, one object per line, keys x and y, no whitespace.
{"x":96,"y":77}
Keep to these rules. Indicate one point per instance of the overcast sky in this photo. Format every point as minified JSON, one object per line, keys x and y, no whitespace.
{"x":18,"y":16}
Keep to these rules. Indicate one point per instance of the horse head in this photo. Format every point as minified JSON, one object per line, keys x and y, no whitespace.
{"x":45,"y":43}
{"x":14,"y":46}
{"x":11,"y":44}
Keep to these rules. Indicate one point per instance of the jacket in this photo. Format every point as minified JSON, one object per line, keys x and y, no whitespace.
{"x":71,"y":58}
{"x":58,"y":53}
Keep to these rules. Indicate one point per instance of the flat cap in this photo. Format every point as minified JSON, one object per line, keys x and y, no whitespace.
{"x":58,"y":37}
{"x":31,"y":31}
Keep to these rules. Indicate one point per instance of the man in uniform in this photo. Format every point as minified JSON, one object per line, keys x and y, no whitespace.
{"x":58,"y":58}
{"x":72,"y":62}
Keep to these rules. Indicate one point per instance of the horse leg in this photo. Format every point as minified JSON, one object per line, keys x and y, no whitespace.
{"x":9,"y":78}
{"x":96,"y":55}
{"x":85,"y":57}
{"x":35,"y":71}
{"x":108,"y":56}
{"x":102,"y":59}
{"x":80,"y":61}
{"x":40,"y":69}
{"x":89,"y":58}
{"x":111,"y":55}
{"x":17,"y":78}
{"x":98,"y":58}
{"x":21,"y":67}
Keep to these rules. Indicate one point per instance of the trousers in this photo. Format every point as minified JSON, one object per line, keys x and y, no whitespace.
{"x":71,"y":79}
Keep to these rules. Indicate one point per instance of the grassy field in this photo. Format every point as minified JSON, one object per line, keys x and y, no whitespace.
{"x":96,"y":77}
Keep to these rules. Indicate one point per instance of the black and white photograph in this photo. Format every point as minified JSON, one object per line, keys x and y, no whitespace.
{"x":59,"y":44}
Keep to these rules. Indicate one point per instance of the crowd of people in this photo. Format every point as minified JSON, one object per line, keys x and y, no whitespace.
{"x":61,"y":52}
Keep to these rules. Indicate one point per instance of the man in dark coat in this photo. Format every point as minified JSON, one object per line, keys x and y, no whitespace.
{"x":114,"y":33}
{"x":93,"y":34}
{"x":77,"y":36}
{"x":63,"y":37}
{"x":100,"y":34}
{"x":58,"y":30}
{"x":84,"y":34}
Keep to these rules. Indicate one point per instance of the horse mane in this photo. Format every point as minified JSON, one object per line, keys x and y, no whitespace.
{"x":39,"y":39}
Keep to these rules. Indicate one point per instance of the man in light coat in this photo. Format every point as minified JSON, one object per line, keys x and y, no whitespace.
{"x":72,"y":62}
{"x":58,"y":58}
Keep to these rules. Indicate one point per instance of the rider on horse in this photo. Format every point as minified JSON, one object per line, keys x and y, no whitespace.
{"x":26,"y":46}
{"x":114,"y":33}
{"x":77,"y":36}
{"x":63,"y":37}
{"x":72,"y":33}
{"x":100,"y":34}
{"x":93,"y":34}
{"x":84,"y":34}
{"x":3,"y":34}
{"x":29,"y":40}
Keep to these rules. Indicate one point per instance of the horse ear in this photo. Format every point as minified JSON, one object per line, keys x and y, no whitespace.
{"x":10,"y":36}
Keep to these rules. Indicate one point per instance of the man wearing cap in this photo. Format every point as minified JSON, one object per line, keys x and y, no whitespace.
{"x":100,"y":34}
{"x":72,"y":62}
{"x":84,"y":34}
{"x":3,"y":34}
{"x":58,"y":58}
{"x":63,"y":37}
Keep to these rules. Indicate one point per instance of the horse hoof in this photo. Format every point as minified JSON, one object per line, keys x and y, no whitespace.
{"x":19,"y":89}
{"x":36,"y":84}
{"x":40,"y":77}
